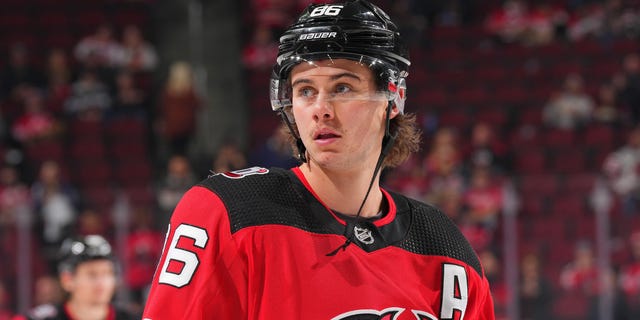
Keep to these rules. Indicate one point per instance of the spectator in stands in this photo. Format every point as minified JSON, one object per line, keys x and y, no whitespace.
{"x":588,"y":22}
{"x":35,"y":132}
{"x":621,"y":170}
{"x":443,"y":176}
{"x":91,"y":221}
{"x":19,"y":71}
{"x":571,"y":108}
{"x":442,"y":167}
{"x":135,"y":54}
{"x":59,"y":75}
{"x":444,"y":137}
{"x":480,"y":237}
{"x":484,"y":150}
{"x":626,"y":23}
{"x":99,"y":49}
{"x":47,"y":290}
{"x":178,"y":107}
{"x":178,"y":179}
{"x":546,"y":23}
{"x":536,"y":294}
{"x":443,"y":162}
{"x":261,"y":51}
{"x":14,"y":197}
{"x":57,"y":68}
{"x":409,"y":179}
{"x":275,"y":151}
{"x":613,"y":24}
{"x":630,"y":87}
{"x":605,"y":21}
{"x":55,"y":205}
{"x":508,"y":23}
{"x":35,"y":124}
{"x":580,"y":276}
{"x":129,"y":100}
{"x":483,"y":198}
{"x":229,"y":157}
{"x":607,"y":110}
{"x":89,"y":98}
{"x":492,"y":270}
{"x":143,"y":249}
{"x":629,"y":278}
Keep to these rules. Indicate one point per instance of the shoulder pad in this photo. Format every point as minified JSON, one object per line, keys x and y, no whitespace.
{"x":434,"y":233}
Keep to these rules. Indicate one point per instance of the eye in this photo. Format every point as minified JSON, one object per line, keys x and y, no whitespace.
{"x":305,"y":92}
{"x":342,"y":88}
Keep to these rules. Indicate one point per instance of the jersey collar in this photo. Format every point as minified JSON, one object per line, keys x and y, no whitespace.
{"x":388,"y":217}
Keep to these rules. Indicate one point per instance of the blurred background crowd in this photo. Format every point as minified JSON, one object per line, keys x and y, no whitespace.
{"x":529,"y":112}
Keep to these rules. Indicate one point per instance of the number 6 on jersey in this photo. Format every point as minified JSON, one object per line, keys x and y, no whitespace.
{"x":188,"y":258}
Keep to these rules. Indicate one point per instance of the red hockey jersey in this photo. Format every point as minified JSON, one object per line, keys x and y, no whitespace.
{"x":253,"y":244}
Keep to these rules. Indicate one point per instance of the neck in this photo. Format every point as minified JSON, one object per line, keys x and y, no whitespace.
{"x":344,"y":191}
{"x":83,"y":311}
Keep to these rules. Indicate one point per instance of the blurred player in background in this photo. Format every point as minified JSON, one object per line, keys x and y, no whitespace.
{"x":323,"y":240}
{"x":87,"y":272}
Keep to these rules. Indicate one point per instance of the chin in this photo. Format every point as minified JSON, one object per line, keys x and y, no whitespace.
{"x":323,"y":161}
{"x":332,"y":162}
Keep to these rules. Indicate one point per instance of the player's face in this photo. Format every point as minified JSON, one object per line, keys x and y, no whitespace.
{"x":94,"y":282}
{"x":338,"y":111}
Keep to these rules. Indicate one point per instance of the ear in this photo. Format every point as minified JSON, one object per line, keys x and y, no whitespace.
{"x":394,"y":111}
{"x":66,"y":281}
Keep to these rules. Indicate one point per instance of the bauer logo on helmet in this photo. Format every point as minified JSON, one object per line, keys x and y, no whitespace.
{"x":317,"y":35}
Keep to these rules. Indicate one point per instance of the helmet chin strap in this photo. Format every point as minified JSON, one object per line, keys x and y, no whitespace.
{"x":301,"y":148}
{"x":387,"y":142}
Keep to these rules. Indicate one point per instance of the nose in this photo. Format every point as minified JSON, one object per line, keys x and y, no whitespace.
{"x":323,"y":107}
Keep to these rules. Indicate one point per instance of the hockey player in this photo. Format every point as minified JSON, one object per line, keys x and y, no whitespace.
{"x":87,"y":272}
{"x":323,"y":240}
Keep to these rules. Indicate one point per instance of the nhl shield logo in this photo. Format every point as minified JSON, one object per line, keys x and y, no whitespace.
{"x":363,"y":235}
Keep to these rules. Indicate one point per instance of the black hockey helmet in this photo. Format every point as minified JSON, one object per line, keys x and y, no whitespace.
{"x":355,"y":30}
{"x":74,"y":251}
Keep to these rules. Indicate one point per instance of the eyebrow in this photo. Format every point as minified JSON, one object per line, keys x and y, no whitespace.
{"x":332,"y":78}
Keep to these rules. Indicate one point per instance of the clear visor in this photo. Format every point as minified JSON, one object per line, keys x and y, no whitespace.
{"x":389,"y":86}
